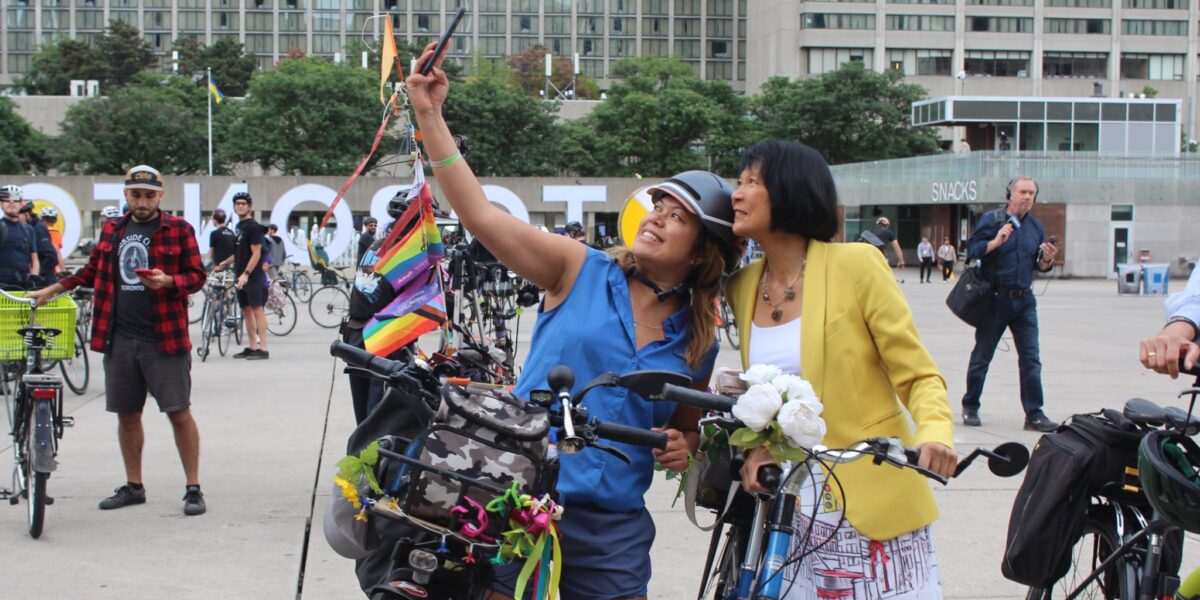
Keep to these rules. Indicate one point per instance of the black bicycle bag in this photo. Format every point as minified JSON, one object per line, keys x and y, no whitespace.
{"x":1088,"y":455}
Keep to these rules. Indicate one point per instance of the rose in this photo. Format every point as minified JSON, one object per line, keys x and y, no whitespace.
{"x":761,"y":374}
{"x":795,"y":388}
{"x":801,"y":422}
{"x":757,"y":406}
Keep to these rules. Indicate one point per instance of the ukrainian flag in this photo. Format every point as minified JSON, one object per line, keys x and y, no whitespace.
{"x":212,"y":88}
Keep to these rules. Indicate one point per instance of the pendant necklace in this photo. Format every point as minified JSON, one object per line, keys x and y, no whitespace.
{"x":789,"y":293}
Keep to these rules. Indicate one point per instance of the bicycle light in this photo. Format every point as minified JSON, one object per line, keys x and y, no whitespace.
{"x":44,"y":393}
{"x":422,"y":560}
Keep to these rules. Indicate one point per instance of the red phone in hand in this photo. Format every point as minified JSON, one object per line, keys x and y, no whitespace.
{"x":144,"y":272}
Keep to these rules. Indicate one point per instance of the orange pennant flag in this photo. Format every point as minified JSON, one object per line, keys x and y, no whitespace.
{"x":386,"y":59}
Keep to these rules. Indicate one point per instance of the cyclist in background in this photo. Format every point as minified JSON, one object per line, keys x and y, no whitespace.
{"x":251,"y":281}
{"x":574,"y":230}
{"x":277,"y":254}
{"x":18,"y":243}
{"x":49,"y":217}
{"x":648,"y":306}
{"x":222,"y":242}
{"x":1178,"y":339}
{"x":47,"y":255}
{"x":109,"y":213}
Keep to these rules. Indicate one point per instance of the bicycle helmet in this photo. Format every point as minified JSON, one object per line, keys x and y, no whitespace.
{"x":110,"y":212}
{"x":710,"y":198}
{"x":1169,"y":470}
{"x":398,"y":204}
{"x":573,"y":227}
{"x":12,"y":192}
{"x":49,"y":213}
{"x":243,"y":196}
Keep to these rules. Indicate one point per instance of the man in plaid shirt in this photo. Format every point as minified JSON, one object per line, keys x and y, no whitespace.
{"x":143,"y":268}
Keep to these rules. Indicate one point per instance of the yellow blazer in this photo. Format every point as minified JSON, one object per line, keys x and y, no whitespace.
{"x":860,"y":351}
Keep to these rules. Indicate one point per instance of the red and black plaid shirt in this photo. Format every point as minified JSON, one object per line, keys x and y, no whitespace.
{"x":173,"y":249}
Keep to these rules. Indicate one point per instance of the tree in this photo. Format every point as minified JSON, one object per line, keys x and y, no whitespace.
{"x":529,"y":73}
{"x":24,"y":148}
{"x":662,"y":120}
{"x":147,"y":121}
{"x":56,"y":64}
{"x":510,"y":134}
{"x":231,"y":66}
{"x":849,"y":115}
{"x":306,"y":117}
{"x":125,"y":53}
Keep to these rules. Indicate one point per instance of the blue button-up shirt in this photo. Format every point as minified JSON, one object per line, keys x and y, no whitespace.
{"x":1011,"y":264}
{"x":592,"y":332}
{"x":1186,"y":304}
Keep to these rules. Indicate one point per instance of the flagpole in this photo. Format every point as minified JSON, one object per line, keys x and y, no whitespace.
{"x":208,"y":90}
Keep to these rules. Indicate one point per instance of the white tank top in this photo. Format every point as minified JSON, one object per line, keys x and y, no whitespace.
{"x":778,"y":345}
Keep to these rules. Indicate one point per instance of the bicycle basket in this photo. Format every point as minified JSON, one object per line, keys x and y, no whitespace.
{"x":59,"y":314}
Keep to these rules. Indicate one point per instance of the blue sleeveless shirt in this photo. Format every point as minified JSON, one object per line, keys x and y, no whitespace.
{"x":592,"y":333}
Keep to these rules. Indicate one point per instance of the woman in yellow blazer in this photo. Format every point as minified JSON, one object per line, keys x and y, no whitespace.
{"x":833,"y":314}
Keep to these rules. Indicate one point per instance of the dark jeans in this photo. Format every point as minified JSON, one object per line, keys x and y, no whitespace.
{"x":1018,"y":315}
{"x":926,"y":269}
{"x":947,"y":269}
{"x":365,"y":392}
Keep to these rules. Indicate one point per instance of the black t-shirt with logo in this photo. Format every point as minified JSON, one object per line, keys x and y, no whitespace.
{"x":132,"y":301}
{"x":249,"y":233}
{"x":223,"y":242}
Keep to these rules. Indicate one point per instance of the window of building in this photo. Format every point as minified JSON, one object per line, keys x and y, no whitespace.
{"x":525,"y":24}
{"x":1102,"y":26}
{"x":191,"y":20}
{"x":1122,"y":212}
{"x":259,"y":22}
{"x":259,"y":44}
{"x":559,"y":7}
{"x":1001,"y":2}
{"x":590,"y":7}
{"x":491,"y":24}
{"x":920,"y":22}
{"x":620,"y":7}
{"x":491,"y":6}
{"x":687,"y":27}
{"x":526,"y":6}
{"x":559,"y":46}
{"x":618,"y":48}
{"x":719,"y":8}
{"x":651,"y":7}
{"x":292,"y":22}
{"x":1156,"y":4}
{"x":1150,"y":27}
{"x":1167,"y":67}
{"x":129,"y":17}
{"x":920,"y":62}
{"x":425,"y":23}
{"x":326,"y":21}
{"x":658,"y":48}
{"x":591,"y":25}
{"x":719,"y":70}
{"x":1092,"y":65}
{"x":1080,"y":3}
{"x":821,"y":60}
{"x":686,"y":49}
{"x":20,"y":42}
{"x":838,"y":21}
{"x":288,"y":43}
{"x":718,"y":49}
{"x":88,"y":19}
{"x":687,"y":7}
{"x":722,"y":28}
{"x":591,"y":46}
{"x":1000,"y":24}
{"x":654,"y":27}
{"x":920,"y":1}
{"x":623,"y":26}
{"x":997,"y":63}
{"x":492,"y":46}
{"x":558,"y":25}
{"x":326,"y":44}
{"x":19,"y":63}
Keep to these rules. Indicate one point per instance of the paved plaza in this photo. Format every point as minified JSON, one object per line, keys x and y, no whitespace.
{"x":272,"y":430}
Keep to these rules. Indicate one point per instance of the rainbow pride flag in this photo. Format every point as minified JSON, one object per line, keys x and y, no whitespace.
{"x":419,"y":309}
{"x":420,"y":249}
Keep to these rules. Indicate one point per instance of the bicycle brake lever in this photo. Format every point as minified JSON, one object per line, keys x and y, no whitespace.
{"x":612,"y":451}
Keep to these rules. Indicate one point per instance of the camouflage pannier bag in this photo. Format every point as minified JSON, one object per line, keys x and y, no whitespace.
{"x":487,"y":434}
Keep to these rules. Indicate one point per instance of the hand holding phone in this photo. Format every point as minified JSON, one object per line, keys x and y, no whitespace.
{"x":444,"y":41}
{"x":144,"y":272}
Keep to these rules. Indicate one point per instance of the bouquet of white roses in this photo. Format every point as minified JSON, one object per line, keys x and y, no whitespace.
{"x":781,"y":412}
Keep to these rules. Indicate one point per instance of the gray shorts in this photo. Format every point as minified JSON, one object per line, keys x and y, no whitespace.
{"x":133,"y":367}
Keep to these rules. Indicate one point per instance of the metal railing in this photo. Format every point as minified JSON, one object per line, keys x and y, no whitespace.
{"x":1041,"y":165}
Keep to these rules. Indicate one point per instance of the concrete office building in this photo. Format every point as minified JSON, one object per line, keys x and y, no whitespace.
{"x":710,"y":35}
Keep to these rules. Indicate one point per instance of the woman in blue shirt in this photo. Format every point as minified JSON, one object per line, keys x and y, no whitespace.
{"x":649,"y":306}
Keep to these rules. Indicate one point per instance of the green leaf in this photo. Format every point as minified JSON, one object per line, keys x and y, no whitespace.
{"x":372,"y":481}
{"x":370,"y":454}
{"x":748,"y":438}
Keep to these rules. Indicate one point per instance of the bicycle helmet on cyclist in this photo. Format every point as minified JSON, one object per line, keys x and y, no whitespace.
{"x":243,"y":196}
{"x":398,"y":204}
{"x":573,"y":227}
{"x":1169,"y":470}
{"x":710,"y":198}
{"x":12,"y":192}
{"x":110,"y":212}
{"x":49,"y":213}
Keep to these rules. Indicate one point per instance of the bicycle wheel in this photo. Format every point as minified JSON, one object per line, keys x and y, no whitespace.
{"x":206,"y":333}
{"x":76,"y":371}
{"x":281,"y":320}
{"x":196,"y":304}
{"x":721,"y":582}
{"x":35,"y":482}
{"x":303,"y":286}
{"x":1099,"y":539}
{"x":226,"y":323}
{"x":328,"y":306}
{"x":729,"y":324}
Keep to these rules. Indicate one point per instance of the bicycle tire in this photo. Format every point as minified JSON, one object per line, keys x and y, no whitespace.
{"x":35,"y":490}
{"x":303,"y":287}
{"x":282,"y":319}
{"x":729,"y":324}
{"x":722,"y":581}
{"x":200,"y":300}
{"x":79,"y":373}
{"x":328,"y":306}
{"x":205,"y":335}
{"x":1099,"y":538}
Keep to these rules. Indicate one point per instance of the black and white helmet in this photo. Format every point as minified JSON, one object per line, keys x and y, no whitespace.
{"x":12,"y":192}
{"x":110,"y":212}
{"x":49,"y":212}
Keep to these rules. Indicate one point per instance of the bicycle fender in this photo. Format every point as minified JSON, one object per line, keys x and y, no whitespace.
{"x":43,"y":438}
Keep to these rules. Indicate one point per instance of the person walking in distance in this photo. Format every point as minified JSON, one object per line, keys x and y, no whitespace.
{"x":1011,"y":244}
{"x":251,"y":282}
{"x":222,"y":242}
{"x":947,"y":255}
{"x":18,"y":243}
{"x":881,"y":237}
{"x":143,"y":268}
{"x":278,"y":253}
{"x":925,"y":255}
{"x":367,"y":238}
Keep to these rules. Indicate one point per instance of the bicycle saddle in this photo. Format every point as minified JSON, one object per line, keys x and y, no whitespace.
{"x":1144,"y":412}
{"x":1176,"y":418}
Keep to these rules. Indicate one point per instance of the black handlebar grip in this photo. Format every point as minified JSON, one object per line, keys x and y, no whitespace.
{"x":769,"y":476}
{"x":362,"y":359}
{"x":696,"y":399}
{"x":632,"y":435}
{"x":1195,"y":370}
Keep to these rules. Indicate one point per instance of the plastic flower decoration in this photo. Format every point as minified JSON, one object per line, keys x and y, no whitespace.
{"x":780,"y":412}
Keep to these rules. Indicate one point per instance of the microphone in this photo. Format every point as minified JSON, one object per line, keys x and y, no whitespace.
{"x":1014,"y":221}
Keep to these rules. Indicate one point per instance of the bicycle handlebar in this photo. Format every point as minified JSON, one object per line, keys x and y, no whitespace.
{"x":631,"y":435}
{"x":694,"y":398}
{"x":357,"y":357}
{"x":21,"y":299}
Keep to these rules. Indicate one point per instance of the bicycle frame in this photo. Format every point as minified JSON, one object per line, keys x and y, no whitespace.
{"x":1147,"y":584}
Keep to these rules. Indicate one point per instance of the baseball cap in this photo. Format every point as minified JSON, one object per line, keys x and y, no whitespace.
{"x":144,"y":177}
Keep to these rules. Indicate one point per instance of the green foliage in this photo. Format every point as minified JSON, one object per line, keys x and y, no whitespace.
{"x":124,"y":53}
{"x":160,"y":123}
{"x":405,"y":52}
{"x":662,"y":120}
{"x":511,"y":134}
{"x":306,"y":116}
{"x":1149,"y":91}
{"x":24,"y":148}
{"x":528,"y":73}
{"x":849,"y":115}
{"x":231,"y":66}
{"x":56,"y":64}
